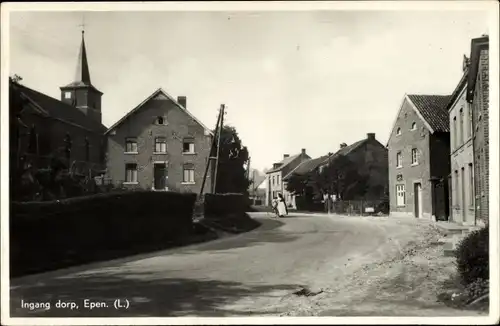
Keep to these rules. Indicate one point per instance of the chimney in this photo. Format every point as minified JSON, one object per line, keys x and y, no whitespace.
{"x":182,"y":101}
{"x":286,"y":156}
{"x":370,"y":135}
{"x":343,"y":145}
{"x":303,"y":151}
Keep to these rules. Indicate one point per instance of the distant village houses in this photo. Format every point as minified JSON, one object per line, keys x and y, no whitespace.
{"x":275,"y":184}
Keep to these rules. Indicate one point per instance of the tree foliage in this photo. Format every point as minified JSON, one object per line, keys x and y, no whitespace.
{"x":233,"y":160}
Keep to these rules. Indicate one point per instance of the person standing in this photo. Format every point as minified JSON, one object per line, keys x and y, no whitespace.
{"x":282,"y":209}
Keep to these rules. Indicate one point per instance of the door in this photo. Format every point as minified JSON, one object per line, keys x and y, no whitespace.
{"x":418,"y":199}
{"x":463,"y":205}
{"x":160,"y":182}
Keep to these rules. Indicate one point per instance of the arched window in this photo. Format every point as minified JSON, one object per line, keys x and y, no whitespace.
{"x":414,"y":126}
{"x":398,"y":131}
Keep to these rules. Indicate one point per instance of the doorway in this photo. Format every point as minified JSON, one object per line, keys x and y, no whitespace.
{"x":417,"y":190}
{"x":160,"y":176}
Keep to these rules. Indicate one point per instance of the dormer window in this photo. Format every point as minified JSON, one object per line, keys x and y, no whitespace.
{"x":161,"y":120}
{"x":398,"y":131}
{"x":67,"y":95}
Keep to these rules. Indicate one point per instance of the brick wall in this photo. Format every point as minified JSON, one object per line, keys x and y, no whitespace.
{"x":480,"y":105}
{"x":142,"y":126}
{"x":409,"y":139}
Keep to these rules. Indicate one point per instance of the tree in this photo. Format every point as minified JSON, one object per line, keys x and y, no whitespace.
{"x":342,"y":178}
{"x":297,"y":184}
{"x":233,"y":161}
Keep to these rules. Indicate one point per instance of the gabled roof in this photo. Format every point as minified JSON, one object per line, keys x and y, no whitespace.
{"x":433,"y":110}
{"x":56,"y":109}
{"x":284,"y":163}
{"x":159,"y":91}
{"x":458,"y":90}
{"x":306,"y":166}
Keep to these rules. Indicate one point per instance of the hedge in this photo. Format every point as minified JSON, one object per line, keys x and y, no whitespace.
{"x":472,"y":257}
{"x":46,"y":235}
{"x":225,"y":204}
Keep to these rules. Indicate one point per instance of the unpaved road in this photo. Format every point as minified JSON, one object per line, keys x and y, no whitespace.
{"x":250,"y":274}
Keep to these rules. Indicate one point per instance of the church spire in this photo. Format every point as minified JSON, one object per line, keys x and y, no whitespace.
{"x":82,"y":67}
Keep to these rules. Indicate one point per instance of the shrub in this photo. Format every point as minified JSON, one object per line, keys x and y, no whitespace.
{"x":472,"y":256}
{"x":225,"y":204}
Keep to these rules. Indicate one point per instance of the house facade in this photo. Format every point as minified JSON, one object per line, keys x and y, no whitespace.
{"x":478,"y":99}
{"x":370,"y":158}
{"x":160,"y":146}
{"x":461,"y":180}
{"x":274,"y":177}
{"x":305,"y":168}
{"x":70,"y":129}
{"x":419,"y":164}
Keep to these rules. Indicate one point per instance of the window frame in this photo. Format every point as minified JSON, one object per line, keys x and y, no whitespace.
{"x":68,"y":95}
{"x":399,"y":159}
{"x":400,"y":195}
{"x":131,"y":140}
{"x":191,"y":142}
{"x":414,"y":156}
{"x":160,"y":141}
{"x":188,"y":167}
{"x":136,"y":170}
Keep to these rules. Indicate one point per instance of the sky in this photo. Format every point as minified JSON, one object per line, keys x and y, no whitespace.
{"x":289,"y":80}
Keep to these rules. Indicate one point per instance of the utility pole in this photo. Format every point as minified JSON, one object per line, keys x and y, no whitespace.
{"x":210,"y":157}
{"x":219,"y":134}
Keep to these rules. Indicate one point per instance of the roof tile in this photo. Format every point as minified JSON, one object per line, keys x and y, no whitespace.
{"x":433,"y":110}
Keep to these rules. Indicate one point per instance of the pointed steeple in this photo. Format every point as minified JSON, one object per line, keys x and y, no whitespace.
{"x":82,"y":66}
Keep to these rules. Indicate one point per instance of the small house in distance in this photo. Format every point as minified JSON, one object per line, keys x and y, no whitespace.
{"x":274,"y":177}
{"x":159,"y":145}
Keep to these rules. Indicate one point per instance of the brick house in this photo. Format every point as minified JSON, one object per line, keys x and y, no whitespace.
{"x":461,"y":180}
{"x":478,"y":98}
{"x":370,"y":158}
{"x":274,"y":177}
{"x":159,"y":145}
{"x":44,"y":127}
{"x":419,"y":160}
{"x":302,"y":169}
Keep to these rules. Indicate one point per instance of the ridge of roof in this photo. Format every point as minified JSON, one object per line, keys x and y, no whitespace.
{"x":155,"y":93}
{"x":284,"y":162}
{"x":308,"y":166}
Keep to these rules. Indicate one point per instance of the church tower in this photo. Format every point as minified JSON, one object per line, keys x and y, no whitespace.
{"x":81,"y":93}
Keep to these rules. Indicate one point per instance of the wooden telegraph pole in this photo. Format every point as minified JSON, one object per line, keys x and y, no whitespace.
{"x":218,"y":128}
{"x":219,"y":134}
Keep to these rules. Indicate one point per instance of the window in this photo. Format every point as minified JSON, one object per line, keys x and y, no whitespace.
{"x":131,"y":145}
{"x":161,"y":120}
{"x":461,"y":130}
{"x":414,"y":156}
{"x":188,"y":173}
{"x":455,"y":190}
{"x":471,"y":185}
{"x":278,"y":180}
{"x":131,"y":173}
{"x":188,"y":146}
{"x":398,"y":131}
{"x":400,"y":195}
{"x":274,"y":179}
{"x":414,"y":126}
{"x":160,"y":145}
{"x":399,"y":160}
{"x":67,"y":95}
{"x":469,"y":123}
{"x":455,"y":139}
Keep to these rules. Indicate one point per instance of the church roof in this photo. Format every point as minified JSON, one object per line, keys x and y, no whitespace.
{"x":56,"y":109}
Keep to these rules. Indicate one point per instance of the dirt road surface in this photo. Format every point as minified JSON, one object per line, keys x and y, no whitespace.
{"x":352,"y":266}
